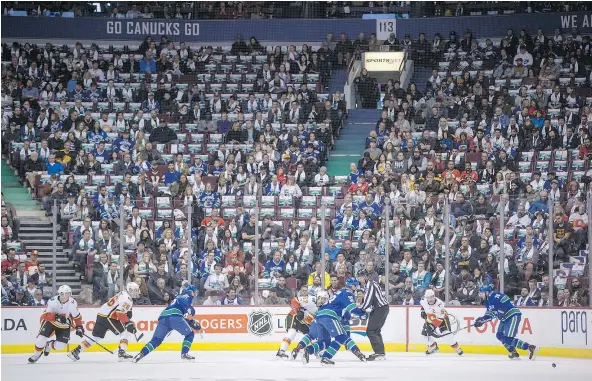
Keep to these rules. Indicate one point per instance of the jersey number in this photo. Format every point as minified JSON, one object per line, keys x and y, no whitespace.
{"x":112,"y":301}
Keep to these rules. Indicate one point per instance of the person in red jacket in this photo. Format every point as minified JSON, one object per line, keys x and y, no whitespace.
{"x":33,"y":260}
{"x":468,"y":176}
{"x":10,"y":263}
{"x":361,"y":185}
{"x":586,"y":148}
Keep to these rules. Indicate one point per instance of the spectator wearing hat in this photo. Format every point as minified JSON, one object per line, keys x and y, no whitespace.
{"x":151,"y":104}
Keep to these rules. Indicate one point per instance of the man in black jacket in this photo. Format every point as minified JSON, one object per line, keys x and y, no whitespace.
{"x":163,"y":135}
{"x":32,"y":166}
{"x":239,"y":46}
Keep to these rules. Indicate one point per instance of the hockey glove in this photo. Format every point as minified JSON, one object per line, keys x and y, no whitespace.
{"x":130,"y":327}
{"x":80,"y":331}
{"x":424,"y":316}
{"x":194,"y":324}
{"x":479,"y":322}
{"x":300,"y":315}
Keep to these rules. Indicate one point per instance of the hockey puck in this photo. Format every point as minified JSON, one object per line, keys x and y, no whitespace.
{"x":553,"y":365}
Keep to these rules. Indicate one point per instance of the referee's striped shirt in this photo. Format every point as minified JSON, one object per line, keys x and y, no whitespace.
{"x":374,"y":296}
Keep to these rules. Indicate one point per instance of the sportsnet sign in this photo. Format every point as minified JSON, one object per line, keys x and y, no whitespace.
{"x":382,"y":61}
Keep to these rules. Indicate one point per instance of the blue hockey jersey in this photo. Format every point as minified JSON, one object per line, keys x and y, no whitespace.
{"x":180,"y":306}
{"x":340,"y":305}
{"x":500,"y":306}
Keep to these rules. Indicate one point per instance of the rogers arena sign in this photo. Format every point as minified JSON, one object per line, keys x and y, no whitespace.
{"x":383,"y":61}
{"x":559,"y":332}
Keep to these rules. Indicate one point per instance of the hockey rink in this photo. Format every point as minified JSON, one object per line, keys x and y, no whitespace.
{"x":261,"y":366}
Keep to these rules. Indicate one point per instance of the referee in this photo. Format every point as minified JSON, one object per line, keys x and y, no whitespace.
{"x":375,"y":300}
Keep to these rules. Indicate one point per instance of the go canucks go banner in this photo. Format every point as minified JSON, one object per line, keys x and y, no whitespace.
{"x":285,"y":30}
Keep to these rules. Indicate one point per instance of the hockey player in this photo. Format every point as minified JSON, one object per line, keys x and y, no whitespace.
{"x":298,"y":320}
{"x":173,"y":319}
{"x":59,"y":315}
{"x":437,"y":323}
{"x":114,"y":316}
{"x":327,"y":325}
{"x":500,"y":307}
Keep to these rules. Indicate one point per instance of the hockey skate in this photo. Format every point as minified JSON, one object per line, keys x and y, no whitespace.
{"x":376,"y":357}
{"x":187,"y":357}
{"x":432,"y":349}
{"x":533,"y":351}
{"x":360,"y":355}
{"x":514,"y":355}
{"x":326,"y":362}
{"x":122,"y":356}
{"x":74,"y":355}
{"x":47,"y":348}
{"x":295,"y":352}
{"x":281,"y":355}
{"x":305,"y":357}
{"x":33,"y":359}
{"x":459,"y":351}
{"x":138,"y":357}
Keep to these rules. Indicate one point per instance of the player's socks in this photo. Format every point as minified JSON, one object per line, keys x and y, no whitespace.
{"x":48,"y":347}
{"x":285,"y":344}
{"x":516,"y":343}
{"x":333,"y":348}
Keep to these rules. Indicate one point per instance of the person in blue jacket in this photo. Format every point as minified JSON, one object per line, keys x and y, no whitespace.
{"x":500,"y":307}
{"x":174,"y":318}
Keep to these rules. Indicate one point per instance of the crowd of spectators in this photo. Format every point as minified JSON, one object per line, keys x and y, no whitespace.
{"x":103,"y":133}
{"x":499,"y":128}
{"x":99,"y":133}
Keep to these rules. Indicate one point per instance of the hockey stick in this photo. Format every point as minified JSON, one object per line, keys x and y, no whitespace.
{"x":91,"y":339}
{"x":452,"y":332}
{"x":138,"y":338}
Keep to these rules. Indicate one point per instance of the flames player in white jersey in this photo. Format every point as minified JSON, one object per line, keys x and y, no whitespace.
{"x":437,"y":323}
{"x":114,"y":316}
{"x":59,"y":315}
{"x":298,"y":320}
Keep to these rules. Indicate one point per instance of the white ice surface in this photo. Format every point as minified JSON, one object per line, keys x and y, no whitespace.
{"x":261,"y":366}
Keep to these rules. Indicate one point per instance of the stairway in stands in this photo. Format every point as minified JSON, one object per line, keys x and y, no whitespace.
{"x":421,"y":76}
{"x":37,"y":235}
{"x":350,"y":146}
{"x":14,"y":192}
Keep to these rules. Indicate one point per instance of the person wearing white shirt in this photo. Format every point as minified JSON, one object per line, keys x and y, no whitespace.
{"x":538,"y":183}
{"x":520,"y":219}
{"x":526,"y":56}
{"x":321,"y":178}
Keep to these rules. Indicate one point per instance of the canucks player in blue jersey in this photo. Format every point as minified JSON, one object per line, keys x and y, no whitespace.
{"x":173,"y":319}
{"x":328,"y":324}
{"x":500,"y":307}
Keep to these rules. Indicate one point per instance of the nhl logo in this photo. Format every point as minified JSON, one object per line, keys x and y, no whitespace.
{"x":260,"y":323}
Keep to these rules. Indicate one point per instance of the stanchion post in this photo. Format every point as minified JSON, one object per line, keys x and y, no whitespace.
{"x":447,"y":257}
{"x":54,"y":260}
{"x":323,"y":261}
